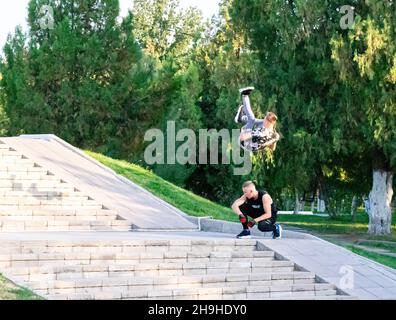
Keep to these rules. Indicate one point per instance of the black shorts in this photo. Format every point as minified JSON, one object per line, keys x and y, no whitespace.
{"x":245,"y":210}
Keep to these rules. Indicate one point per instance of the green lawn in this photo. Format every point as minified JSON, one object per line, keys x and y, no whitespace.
{"x":391,"y":247}
{"x":385,"y":260}
{"x":340,"y":225}
{"x":9,"y":291}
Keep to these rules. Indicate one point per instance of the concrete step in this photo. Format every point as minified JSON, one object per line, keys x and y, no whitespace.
{"x":12,"y":160}
{"x":118,"y":273}
{"x":4,"y":146}
{"x":127,"y":263}
{"x":25,"y":174}
{"x":56,"y":219}
{"x":31,"y":201}
{"x":16,"y":187}
{"x":45,"y":200}
{"x":27,"y":177}
{"x":216,"y":293}
{"x":159,"y":283}
{"x":104,"y":256}
{"x":141,"y":246}
{"x":12,"y":225}
{"x":111,"y":295}
{"x":38,"y":211}
{"x":41,"y":197}
{"x":17,"y":162}
{"x":34,"y":193}
{"x":48,"y":206}
{"x":179,"y":249}
{"x":5,"y":152}
{"x":29,"y":180}
{"x":14,"y":169}
{"x":32,"y":185}
{"x":138,"y":252}
{"x":106,"y":261}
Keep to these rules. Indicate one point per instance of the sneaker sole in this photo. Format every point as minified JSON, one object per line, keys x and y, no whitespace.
{"x":245,"y":237}
{"x":245,"y":89}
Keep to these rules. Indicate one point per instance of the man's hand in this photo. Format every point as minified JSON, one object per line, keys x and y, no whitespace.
{"x":242,"y":218}
{"x":251,"y":223}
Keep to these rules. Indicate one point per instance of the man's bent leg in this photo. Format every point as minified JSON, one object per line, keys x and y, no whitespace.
{"x":267,"y":226}
{"x":271,"y":226}
{"x":248,"y":112}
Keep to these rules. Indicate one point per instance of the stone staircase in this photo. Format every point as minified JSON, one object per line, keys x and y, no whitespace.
{"x":119,"y":265}
{"x":33,"y":199}
{"x":158,"y":269}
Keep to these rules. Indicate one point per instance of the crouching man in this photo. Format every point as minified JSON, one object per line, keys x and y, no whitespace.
{"x":257,"y":205}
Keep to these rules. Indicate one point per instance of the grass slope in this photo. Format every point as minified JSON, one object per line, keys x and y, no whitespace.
{"x":180,"y":198}
{"x":9,"y":291}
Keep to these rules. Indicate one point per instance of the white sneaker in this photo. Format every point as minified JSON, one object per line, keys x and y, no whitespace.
{"x":246,"y":91}
{"x":279,"y":232}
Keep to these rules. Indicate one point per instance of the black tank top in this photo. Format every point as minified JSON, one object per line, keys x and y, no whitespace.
{"x":254,"y":207}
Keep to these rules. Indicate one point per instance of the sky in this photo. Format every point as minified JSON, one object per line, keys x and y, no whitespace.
{"x":14,"y":12}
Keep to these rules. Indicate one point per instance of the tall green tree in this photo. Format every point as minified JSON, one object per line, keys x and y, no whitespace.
{"x":224,"y":68}
{"x":83,"y":76}
{"x":165,"y":30}
{"x":4,"y":120}
{"x":25,"y":107}
{"x":365,"y":58}
{"x":291,"y":39}
{"x":168,"y":33}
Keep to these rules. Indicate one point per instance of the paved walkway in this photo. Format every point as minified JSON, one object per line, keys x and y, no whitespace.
{"x":328,"y":261}
{"x":370,"y":280}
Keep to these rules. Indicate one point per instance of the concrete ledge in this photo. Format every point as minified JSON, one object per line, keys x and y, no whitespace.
{"x":213,"y":225}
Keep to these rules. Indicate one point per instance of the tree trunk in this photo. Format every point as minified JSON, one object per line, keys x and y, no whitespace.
{"x":321,"y":205}
{"x":354,"y":208}
{"x":380,"y":199}
{"x":313,"y":205}
{"x":322,"y":198}
{"x":296,"y":202}
{"x":302,"y":205}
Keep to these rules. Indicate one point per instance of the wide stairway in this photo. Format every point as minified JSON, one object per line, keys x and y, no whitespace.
{"x":77,"y":260}
{"x":33,"y":199}
{"x":157,"y":269}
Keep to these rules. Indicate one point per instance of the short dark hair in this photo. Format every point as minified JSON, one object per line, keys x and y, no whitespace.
{"x":248,"y":183}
